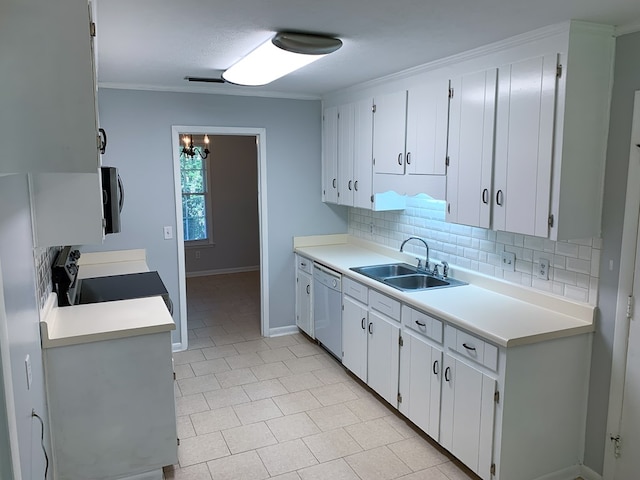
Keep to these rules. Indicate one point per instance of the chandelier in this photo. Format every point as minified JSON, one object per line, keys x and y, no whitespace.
{"x":190,"y":150}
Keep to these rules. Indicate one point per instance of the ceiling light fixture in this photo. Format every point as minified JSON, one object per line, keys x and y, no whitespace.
{"x":277,"y":57}
{"x":190,"y":150}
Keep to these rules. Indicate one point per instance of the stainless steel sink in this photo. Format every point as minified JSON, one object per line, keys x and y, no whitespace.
{"x":406,"y":277}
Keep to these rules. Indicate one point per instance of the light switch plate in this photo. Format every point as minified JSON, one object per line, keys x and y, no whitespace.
{"x":168,"y":232}
{"x":509,"y":261}
{"x":27,"y":365}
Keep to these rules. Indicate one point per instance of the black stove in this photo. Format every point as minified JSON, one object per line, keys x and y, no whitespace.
{"x":74,"y":291}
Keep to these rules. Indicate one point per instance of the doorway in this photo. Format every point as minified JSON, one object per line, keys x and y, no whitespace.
{"x":210,"y":250}
{"x":623,"y":423}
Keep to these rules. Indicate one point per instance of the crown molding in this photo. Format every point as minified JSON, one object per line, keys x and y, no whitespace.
{"x":628,"y":28}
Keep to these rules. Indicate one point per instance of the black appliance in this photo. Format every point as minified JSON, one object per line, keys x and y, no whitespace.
{"x":74,"y":291}
{"x":112,"y":198}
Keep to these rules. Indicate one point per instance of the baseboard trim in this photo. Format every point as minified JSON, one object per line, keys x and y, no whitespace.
{"x":571,"y":473}
{"x":222,"y":271}
{"x":280,"y":331}
{"x":587,"y":474}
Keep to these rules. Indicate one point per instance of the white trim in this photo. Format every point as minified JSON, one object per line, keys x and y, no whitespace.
{"x":628,"y":28}
{"x":280,"y":331}
{"x":212,"y":89}
{"x":625,"y":288}
{"x":569,"y":473}
{"x":5,"y":365}
{"x":261,"y":140}
{"x":587,"y":474}
{"x":222,"y":271}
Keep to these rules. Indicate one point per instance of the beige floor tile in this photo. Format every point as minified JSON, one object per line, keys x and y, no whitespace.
{"x":214,"y":420}
{"x":374,"y":433}
{"x":402,"y":425}
{"x":282,"y":341}
{"x":291,"y":427}
{"x":244,"y":360}
{"x":331,"y":375}
{"x":331,"y":445}
{"x":233,"y":378}
{"x":305,"y":349}
{"x":204,"y":383}
{"x":276,"y":355}
{"x":199,"y":342}
{"x":183,"y":371}
{"x":195,"y":472}
{"x":270,"y":370}
{"x":368,"y":408}
{"x":300,"y":381}
{"x":212,"y":353}
{"x":226,"y":397}
{"x":454,"y":472}
{"x":377,"y":464}
{"x":335,"y":470}
{"x":257,"y":411}
{"x":265,"y":389}
{"x":286,"y":457}
{"x":210,"y":366}
{"x":432,"y":473}
{"x":189,"y":404}
{"x":296,"y":402}
{"x":251,"y":346}
{"x":188,"y":356}
{"x":202,"y":449}
{"x":417,"y":453}
{"x":287,"y":476}
{"x":176,"y":390}
{"x":249,"y":437}
{"x":303,"y":364}
{"x":208,"y":331}
{"x":245,"y":466}
{"x":333,"y":394}
{"x":334,"y":416}
{"x":185,"y":427}
{"x":228,"y":339}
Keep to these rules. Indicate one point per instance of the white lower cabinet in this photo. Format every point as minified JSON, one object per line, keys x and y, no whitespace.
{"x":355,"y":320}
{"x":304,"y":295}
{"x":383,"y":356}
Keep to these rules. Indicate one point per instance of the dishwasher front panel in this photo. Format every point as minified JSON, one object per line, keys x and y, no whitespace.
{"x":327,"y":309}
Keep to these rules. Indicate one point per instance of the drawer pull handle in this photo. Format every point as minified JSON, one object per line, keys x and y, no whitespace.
{"x":400,"y":158}
{"x":422,"y":324}
{"x":371,"y":328}
{"x":447,"y":375}
{"x":308,"y":289}
{"x":472,"y":349}
{"x":436,"y":368}
{"x":362,"y":323}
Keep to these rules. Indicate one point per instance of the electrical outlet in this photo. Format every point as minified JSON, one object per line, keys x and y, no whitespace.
{"x":543,"y":269}
{"x":509,"y":261}
{"x":27,"y":365}
{"x":168,"y":232}
{"x":197,"y":253}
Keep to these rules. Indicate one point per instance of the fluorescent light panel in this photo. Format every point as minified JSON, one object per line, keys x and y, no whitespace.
{"x":269,"y":62}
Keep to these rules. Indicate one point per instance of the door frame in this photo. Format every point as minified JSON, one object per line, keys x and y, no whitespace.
{"x":625,"y":290}
{"x":261,"y":138}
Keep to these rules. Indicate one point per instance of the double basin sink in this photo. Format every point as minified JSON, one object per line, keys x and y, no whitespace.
{"x":406,"y":277}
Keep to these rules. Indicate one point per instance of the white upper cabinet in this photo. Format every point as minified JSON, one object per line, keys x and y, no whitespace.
{"x":48,"y":88}
{"x":330,"y":155}
{"x":471,"y":137}
{"x":389,"y":126}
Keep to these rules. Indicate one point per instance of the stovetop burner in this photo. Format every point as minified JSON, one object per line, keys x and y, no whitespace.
{"x":64,"y":275}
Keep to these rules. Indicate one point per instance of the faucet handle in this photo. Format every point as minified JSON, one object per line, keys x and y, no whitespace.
{"x":445,"y":269}
{"x":435,"y":269}
{"x":419,"y":263}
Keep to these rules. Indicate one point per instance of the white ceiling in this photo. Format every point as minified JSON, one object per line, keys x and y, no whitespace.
{"x":154,"y":44}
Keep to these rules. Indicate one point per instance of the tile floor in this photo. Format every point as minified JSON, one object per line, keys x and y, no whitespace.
{"x":252,"y":408}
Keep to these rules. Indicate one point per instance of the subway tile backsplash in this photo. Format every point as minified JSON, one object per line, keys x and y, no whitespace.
{"x":574,"y":265}
{"x":43,"y":259}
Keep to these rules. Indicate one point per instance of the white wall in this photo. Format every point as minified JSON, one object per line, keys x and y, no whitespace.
{"x":233,"y":189}
{"x":139,"y":127}
{"x":18,"y":279}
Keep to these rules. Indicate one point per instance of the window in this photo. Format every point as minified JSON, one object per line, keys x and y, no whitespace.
{"x":193,"y":178}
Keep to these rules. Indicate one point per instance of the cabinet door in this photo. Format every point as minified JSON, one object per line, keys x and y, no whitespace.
{"x":345,"y":154}
{"x":467,"y":415}
{"x":383,"y":356}
{"x":420,"y":375}
{"x":48,"y":124}
{"x":427,"y":117}
{"x":524,"y":145}
{"x":330,"y":155}
{"x":303,"y":303}
{"x":389,"y":121}
{"x":354,"y":337}
{"x":471,"y":129}
{"x":363,"y":154}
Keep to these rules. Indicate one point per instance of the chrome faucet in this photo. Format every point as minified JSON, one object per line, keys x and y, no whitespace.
{"x":426,"y":265}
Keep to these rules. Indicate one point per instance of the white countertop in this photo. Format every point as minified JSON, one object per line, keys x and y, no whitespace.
{"x":94,"y":322}
{"x":117,"y":262}
{"x":505,"y":314}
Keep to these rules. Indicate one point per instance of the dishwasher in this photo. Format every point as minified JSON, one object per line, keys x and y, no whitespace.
{"x":327,"y":308}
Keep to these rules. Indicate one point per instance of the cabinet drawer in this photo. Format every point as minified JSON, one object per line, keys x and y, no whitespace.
{"x":422,"y":323}
{"x":473,"y":348}
{"x":384,"y":304}
{"x":354,"y":289}
{"x":304,"y":264}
